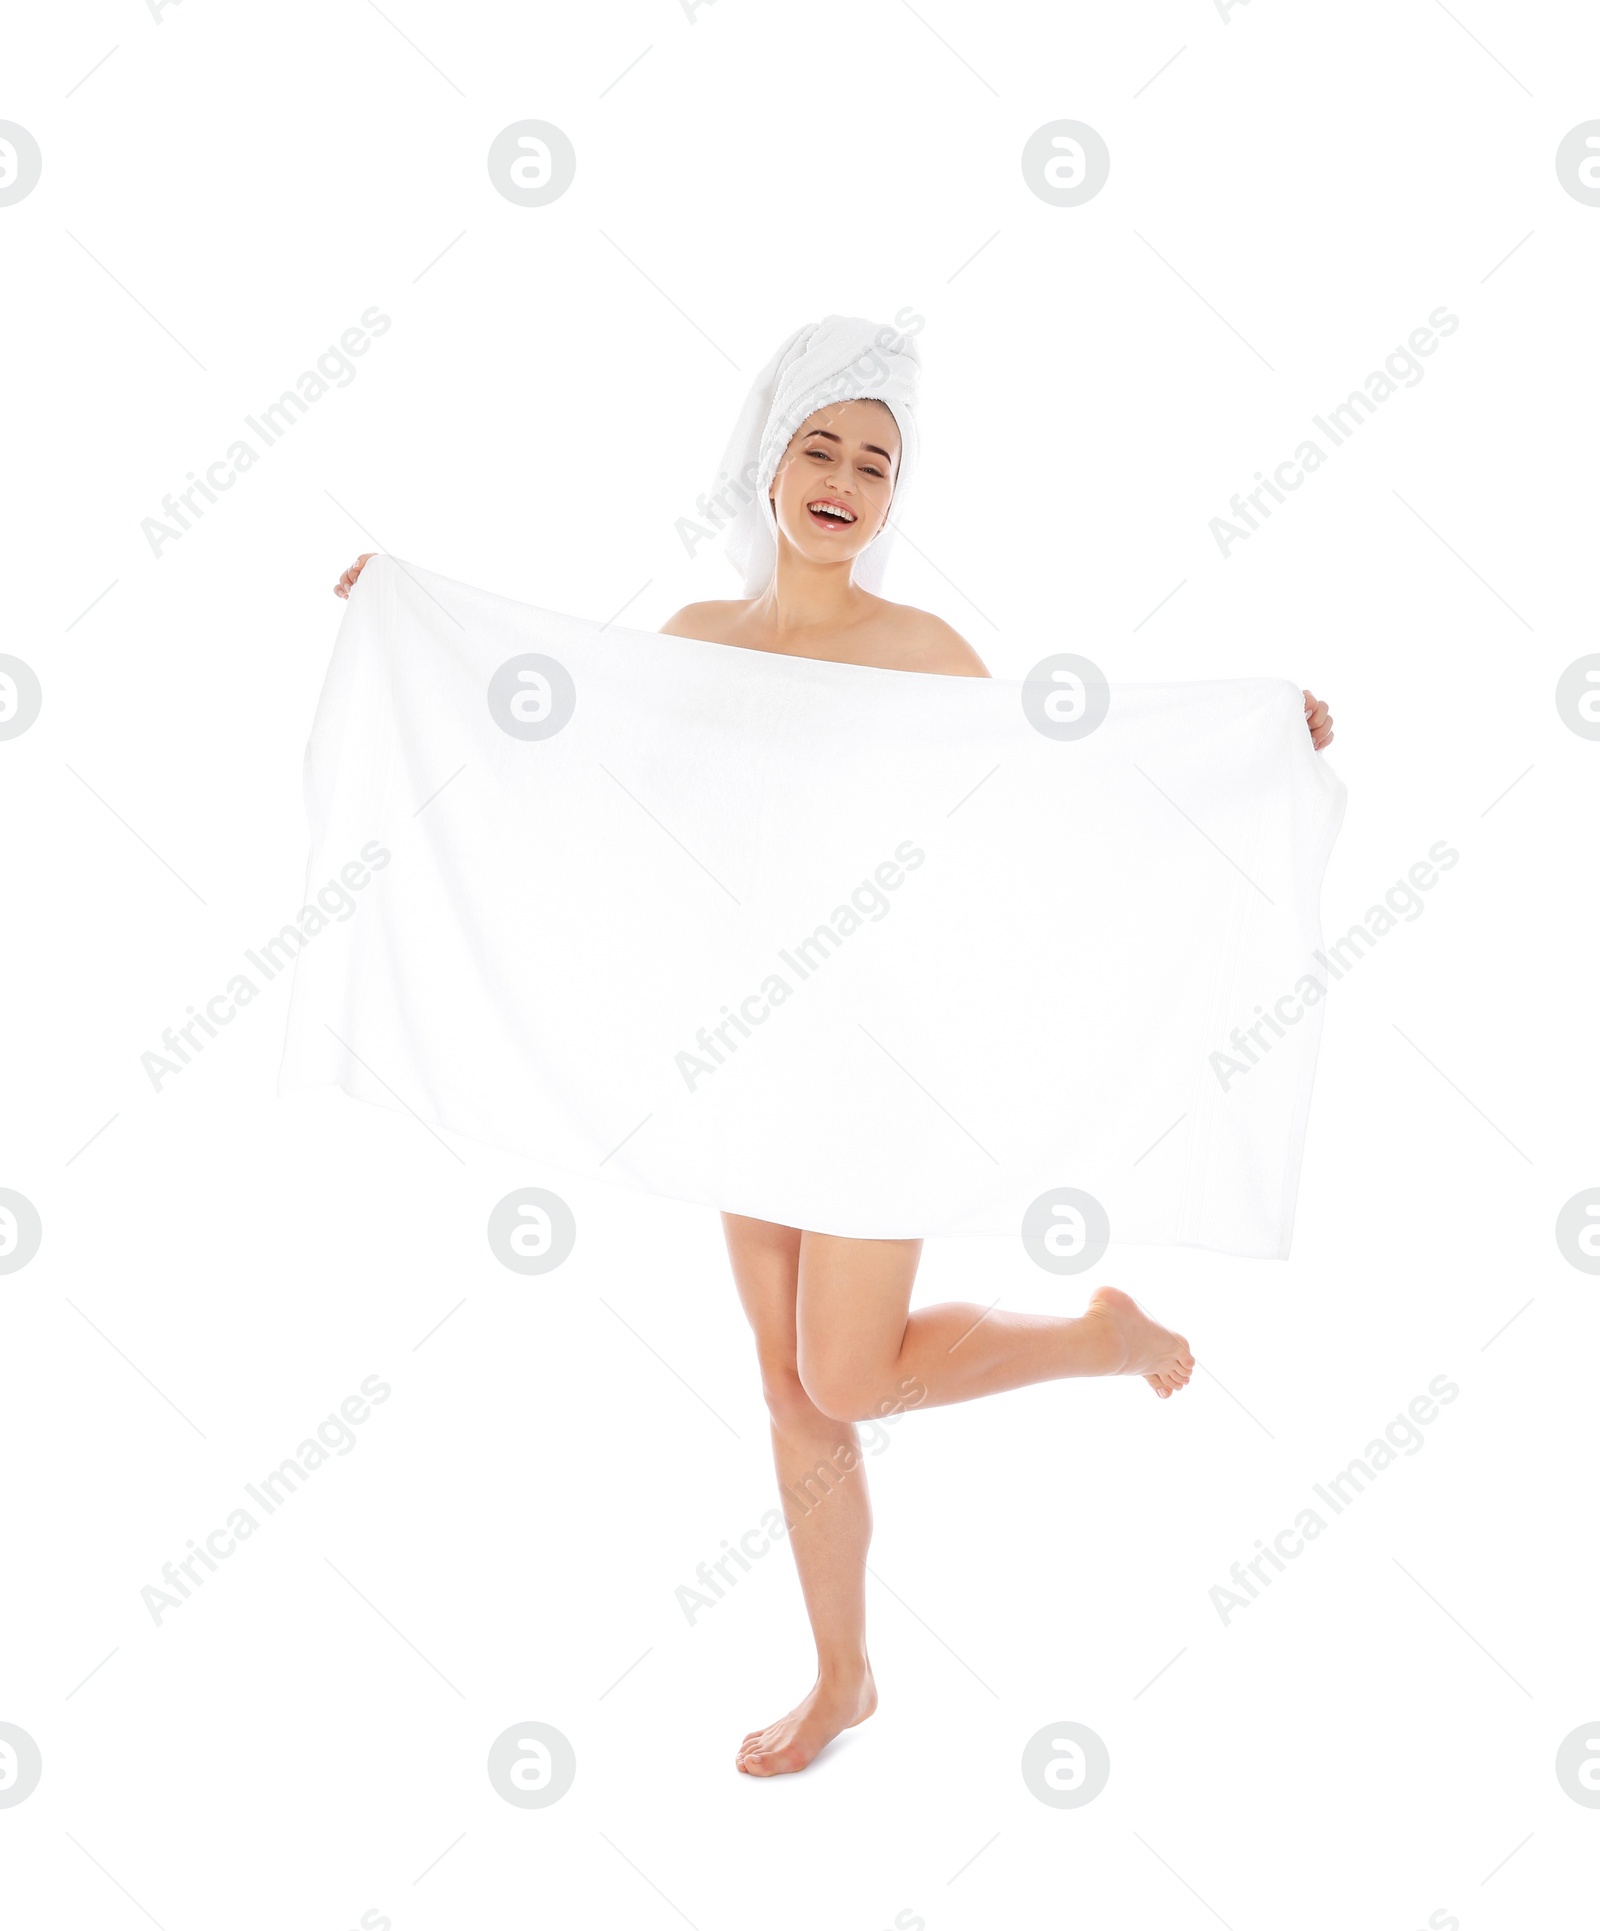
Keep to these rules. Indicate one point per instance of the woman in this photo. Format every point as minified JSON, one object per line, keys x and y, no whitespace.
{"x":835,"y":1335}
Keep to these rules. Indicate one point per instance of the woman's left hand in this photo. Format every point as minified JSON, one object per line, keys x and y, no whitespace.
{"x":1319,"y":721}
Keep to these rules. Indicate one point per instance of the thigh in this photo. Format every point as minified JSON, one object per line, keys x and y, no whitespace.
{"x":854,"y":1296}
{"x":765,"y":1258}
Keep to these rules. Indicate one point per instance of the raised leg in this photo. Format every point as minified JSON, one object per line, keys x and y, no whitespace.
{"x":837,"y":1343}
{"x":859,"y":1344}
{"x":823,"y":1487}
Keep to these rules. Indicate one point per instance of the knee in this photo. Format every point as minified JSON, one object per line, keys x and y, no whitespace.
{"x":799,"y":1396}
{"x":839,"y":1390}
{"x":788,"y":1403}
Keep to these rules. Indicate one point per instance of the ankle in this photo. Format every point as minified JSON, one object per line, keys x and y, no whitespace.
{"x":1108,"y":1351}
{"x":843,"y":1670}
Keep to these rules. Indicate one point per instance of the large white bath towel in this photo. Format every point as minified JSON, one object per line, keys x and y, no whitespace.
{"x":867,"y":952}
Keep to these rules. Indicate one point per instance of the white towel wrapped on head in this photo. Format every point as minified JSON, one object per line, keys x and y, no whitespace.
{"x":842,"y":358}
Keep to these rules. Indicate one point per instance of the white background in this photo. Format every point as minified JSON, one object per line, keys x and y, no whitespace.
{"x":305,"y":1740}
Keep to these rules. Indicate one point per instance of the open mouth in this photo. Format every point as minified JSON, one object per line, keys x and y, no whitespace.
{"x":829,"y":515}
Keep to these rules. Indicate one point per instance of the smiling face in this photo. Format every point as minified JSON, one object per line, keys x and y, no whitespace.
{"x":833,"y":488}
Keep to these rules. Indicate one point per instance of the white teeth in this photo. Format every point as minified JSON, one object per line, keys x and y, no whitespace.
{"x":830,"y":509}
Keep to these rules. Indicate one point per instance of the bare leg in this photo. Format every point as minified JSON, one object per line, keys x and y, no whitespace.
{"x":859,"y":1345}
{"x":837,"y":1343}
{"x":823,"y":1487}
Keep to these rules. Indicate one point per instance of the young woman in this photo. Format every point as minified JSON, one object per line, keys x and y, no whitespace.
{"x":835,"y":1335}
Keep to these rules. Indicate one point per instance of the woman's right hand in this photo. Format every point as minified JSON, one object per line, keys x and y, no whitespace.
{"x":347,"y":582}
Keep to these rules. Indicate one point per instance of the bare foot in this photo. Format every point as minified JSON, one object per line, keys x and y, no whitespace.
{"x":791,"y":1742}
{"x":1140,"y":1345}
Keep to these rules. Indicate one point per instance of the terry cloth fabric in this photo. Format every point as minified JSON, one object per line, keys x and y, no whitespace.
{"x":855,"y":950}
{"x":840,"y":358}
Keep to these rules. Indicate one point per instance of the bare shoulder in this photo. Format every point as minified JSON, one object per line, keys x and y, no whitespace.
{"x":933,"y":645}
{"x":707,"y":621}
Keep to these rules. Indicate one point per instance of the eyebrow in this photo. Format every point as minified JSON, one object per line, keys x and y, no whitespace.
{"x":836,"y":439}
